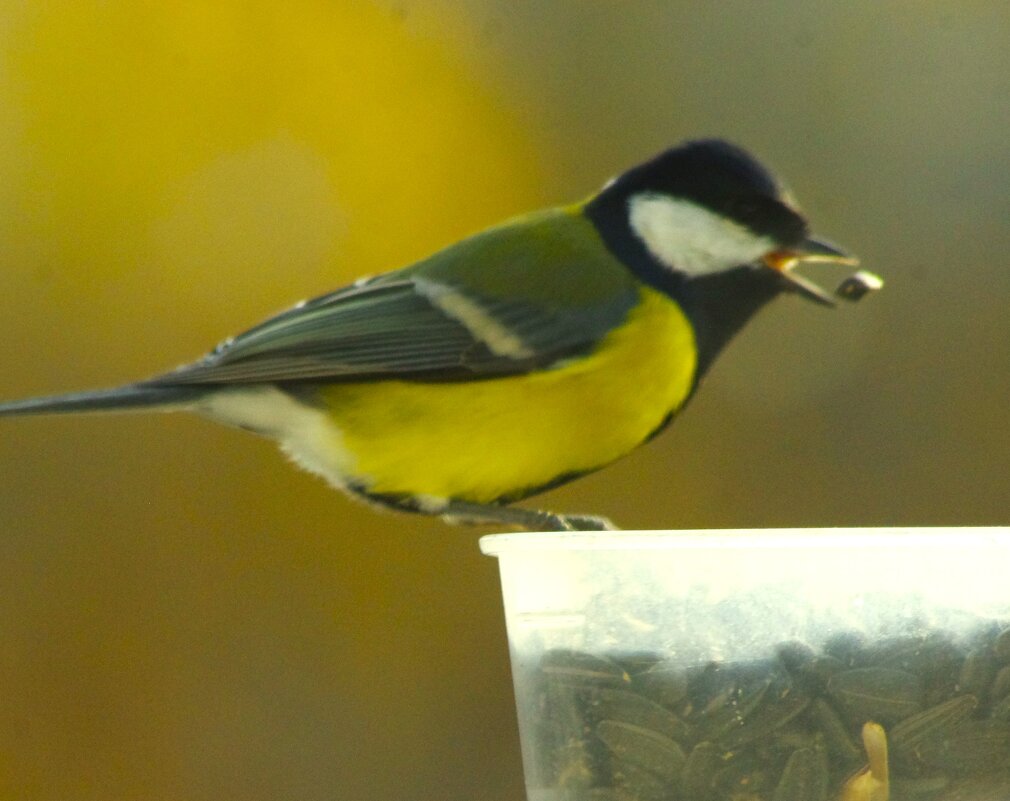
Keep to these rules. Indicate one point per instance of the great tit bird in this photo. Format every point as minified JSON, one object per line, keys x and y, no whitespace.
{"x":517,"y":359}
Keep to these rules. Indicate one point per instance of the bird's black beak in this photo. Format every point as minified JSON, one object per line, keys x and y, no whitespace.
{"x":810,"y":250}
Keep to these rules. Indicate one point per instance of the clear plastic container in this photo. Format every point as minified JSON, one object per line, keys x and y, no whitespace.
{"x":778,"y":665}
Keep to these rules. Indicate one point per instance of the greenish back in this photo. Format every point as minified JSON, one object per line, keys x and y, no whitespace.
{"x":549,"y":258}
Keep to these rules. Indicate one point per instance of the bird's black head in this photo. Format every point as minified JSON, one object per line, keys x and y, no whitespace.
{"x":714,"y":177}
{"x":709,"y":225}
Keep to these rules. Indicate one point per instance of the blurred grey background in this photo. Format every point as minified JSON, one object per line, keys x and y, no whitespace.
{"x":184,"y":616}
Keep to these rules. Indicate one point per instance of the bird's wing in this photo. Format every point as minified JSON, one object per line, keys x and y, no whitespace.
{"x":444,"y":319}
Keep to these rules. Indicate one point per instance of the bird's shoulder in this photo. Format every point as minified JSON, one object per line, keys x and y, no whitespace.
{"x":553,"y":258}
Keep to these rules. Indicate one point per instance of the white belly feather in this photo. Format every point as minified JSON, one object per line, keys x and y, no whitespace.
{"x":304,"y":433}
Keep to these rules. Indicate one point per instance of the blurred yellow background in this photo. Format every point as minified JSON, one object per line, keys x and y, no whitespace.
{"x":182,"y":615}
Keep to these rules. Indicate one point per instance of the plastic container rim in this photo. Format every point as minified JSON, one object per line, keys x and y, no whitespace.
{"x":747,"y":539}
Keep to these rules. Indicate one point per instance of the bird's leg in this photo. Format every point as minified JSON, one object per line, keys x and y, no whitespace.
{"x":588,"y":522}
{"x":528,"y":519}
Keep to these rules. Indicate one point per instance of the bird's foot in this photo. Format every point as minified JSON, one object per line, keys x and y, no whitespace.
{"x":527,"y":519}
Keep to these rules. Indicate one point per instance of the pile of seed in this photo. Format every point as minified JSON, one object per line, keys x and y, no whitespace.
{"x":634,"y":727}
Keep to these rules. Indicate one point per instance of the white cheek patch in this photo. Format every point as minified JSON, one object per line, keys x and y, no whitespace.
{"x":691,"y":239}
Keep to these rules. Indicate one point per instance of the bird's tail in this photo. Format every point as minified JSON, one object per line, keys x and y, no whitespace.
{"x":131,"y":396}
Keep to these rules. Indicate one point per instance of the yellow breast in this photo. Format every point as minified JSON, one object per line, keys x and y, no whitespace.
{"x":484,"y":440}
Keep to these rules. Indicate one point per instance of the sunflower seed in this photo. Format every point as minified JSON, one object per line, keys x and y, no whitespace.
{"x":777,"y":710}
{"x":1001,"y":646}
{"x":939,"y":721}
{"x":699,"y":771}
{"x":977,"y":673}
{"x":880,"y":694}
{"x":919,"y":789}
{"x":644,"y":748}
{"x":804,"y":778}
{"x":1001,"y":684}
{"x":974,"y":747}
{"x":858,"y":285}
{"x":565,"y":740}
{"x":638,"y":783}
{"x":1001,"y":710}
{"x":583,"y":669}
{"x":994,"y":787}
{"x":664,"y":683}
{"x":627,"y":707}
{"x":841,"y":747}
